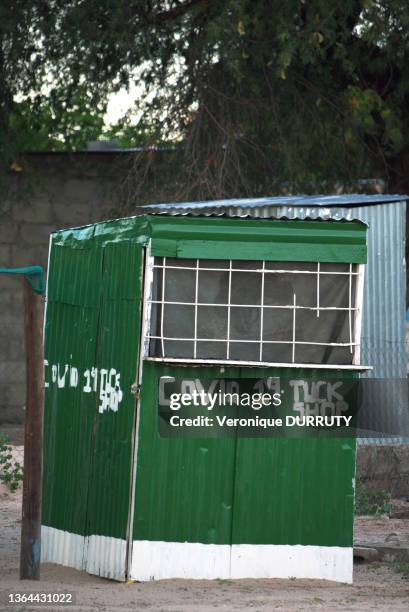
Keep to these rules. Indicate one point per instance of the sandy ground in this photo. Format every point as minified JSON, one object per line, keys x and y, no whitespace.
{"x":376,"y":586}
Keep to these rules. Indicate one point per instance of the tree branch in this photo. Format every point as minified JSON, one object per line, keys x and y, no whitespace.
{"x":177,"y":11}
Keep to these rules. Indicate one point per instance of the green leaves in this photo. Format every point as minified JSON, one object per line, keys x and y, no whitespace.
{"x":326,"y":82}
{"x":371,"y":503}
{"x":11,"y":471}
{"x":371,"y":115}
{"x":50,"y":123}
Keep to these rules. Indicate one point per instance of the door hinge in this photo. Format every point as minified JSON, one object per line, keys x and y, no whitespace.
{"x":136,"y":390}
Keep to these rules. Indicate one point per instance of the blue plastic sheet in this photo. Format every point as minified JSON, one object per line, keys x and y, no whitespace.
{"x":34,"y":275}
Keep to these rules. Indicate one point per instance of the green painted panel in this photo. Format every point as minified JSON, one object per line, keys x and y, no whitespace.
{"x":253,"y":230}
{"x":88,"y":435}
{"x":183,"y":486}
{"x":189,"y":237}
{"x":68,"y":415}
{"x":75,"y":276}
{"x":116,"y":361}
{"x":294,"y":491}
{"x":131,"y":229}
{"x":122,"y":272}
{"x":226,"y":490}
{"x":274,"y":251}
{"x":74,"y":286}
{"x":266,"y":239}
{"x":163,"y":247}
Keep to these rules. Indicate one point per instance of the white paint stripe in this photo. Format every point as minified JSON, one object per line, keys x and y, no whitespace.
{"x":255,"y":270}
{"x":162,"y":310}
{"x":62,"y":547}
{"x":106,"y":557}
{"x":359,"y":298}
{"x":196,"y":303}
{"x":46,"y":283}
{"x":162,"y":560}
{"x":248,"y":342}
{"x":262,"y":312}
{"x":350,"y":307}
{"x":100,"y":555}
{"x":284,"y":561}
{"x":229,"y":311}
{"x":143,"y":350}
{"x":159,"y":560}
{"x":264,"y":307}
{"x":293,"y":343}
{"x":219,"y":363}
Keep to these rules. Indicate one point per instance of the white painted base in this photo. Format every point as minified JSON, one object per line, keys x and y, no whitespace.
{"x":284,"y":561}
{"x":156,"y":560}
{"x":160,"y":560}
{"x":98,"y":555}
{"x":106,"y":557}
{"x":61,"y":547}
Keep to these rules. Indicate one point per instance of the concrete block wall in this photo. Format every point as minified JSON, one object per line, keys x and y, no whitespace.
{"x":52,"y":191}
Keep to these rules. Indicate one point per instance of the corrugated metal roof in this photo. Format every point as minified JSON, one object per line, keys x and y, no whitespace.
{"x":257,"y":212}
{"x":344,"y":200}
{"x":334,"y":207}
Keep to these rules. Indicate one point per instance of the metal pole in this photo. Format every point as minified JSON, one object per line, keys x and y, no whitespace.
{"x":33,"y":436}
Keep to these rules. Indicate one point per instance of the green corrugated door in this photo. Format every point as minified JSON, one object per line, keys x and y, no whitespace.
{"x":184,"y":486}
{"x":70,"y":345}
{"x":234,"y":491}
{"x":111,"y":455}
{"x":93,"y":320}
{"x":301,"y":489}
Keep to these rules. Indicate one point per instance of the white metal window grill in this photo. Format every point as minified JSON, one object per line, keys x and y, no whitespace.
{"x":260,"y":312}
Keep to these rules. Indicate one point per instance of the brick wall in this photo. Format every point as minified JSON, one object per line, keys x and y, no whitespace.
{"x":51,"y":191}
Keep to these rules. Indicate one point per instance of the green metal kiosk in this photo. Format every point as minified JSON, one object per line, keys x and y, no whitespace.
{"x":177,"y":298}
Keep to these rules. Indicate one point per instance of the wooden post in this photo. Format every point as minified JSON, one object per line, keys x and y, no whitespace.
{"x":33,"y":436}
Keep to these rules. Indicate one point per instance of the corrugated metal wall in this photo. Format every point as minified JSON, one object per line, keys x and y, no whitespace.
{"x":240,"y":490}
{"x":92,"y":339}
{"x":383,"y":343}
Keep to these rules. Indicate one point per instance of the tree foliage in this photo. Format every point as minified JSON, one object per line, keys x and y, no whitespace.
{"x":46,"y":99}
{"x":252,"y":96}
{"x":302,"y":94}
